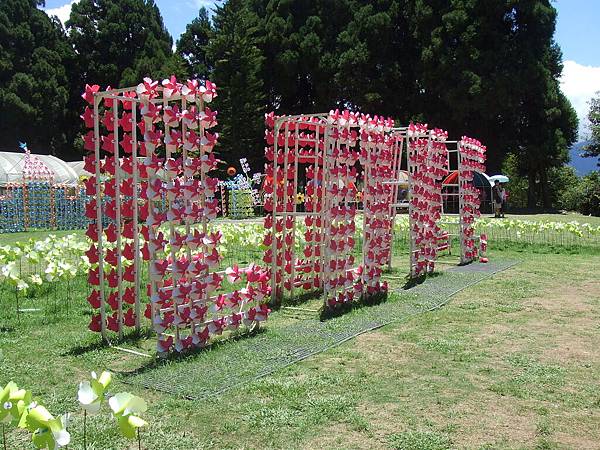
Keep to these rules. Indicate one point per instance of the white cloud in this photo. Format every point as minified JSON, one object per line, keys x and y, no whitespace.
{"x":62,"y":12}
{"x":580,"y":83}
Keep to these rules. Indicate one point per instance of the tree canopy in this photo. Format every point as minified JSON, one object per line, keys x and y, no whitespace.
{"x":34,"y":81}
{"x":592,"y":149}
{"x":486,"y":69}
{"x":118,"y":42}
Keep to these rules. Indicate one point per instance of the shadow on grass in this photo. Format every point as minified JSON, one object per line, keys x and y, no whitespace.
{"x":365,"y":301}
{"x":155,"y":363}
{"x":413,"y":282}
{"x":296,"y":300}
{"x":134,"y":337}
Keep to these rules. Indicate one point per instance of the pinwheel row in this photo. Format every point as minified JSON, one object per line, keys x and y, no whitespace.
{"x":128,"y":124}
{"x":471,"y":158}
{"x":378,"y":153}
{"x":429,"y":164}
{"x":11,"y":205}
{"x":176,"y":200}
{"x":38,"y":204}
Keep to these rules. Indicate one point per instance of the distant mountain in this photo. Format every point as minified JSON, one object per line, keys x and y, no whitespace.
{"x":582,"y":165}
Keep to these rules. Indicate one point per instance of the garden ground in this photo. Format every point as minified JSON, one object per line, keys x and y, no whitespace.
{"x":511,"y":362}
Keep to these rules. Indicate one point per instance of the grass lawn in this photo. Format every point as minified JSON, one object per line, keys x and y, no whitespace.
{"x":568,"y":217}
{"x":512,"y":362}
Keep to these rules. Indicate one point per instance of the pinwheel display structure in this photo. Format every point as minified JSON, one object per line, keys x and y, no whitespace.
{"x":328,"y":153}
{"x":150,"y":150}
{"x":471,"y":158}
{"x":428,"y":162}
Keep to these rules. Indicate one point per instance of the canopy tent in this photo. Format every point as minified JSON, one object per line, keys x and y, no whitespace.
{"x":450,"y":191}
{"x":13,"y":168}
{"x":479,"y":179}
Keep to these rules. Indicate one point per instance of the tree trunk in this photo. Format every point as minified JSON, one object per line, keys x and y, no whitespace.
{"x":545,"y":190}
{"x":531,"y":194}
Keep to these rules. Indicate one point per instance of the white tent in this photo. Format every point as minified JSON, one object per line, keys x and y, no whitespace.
{"x":77,"y":166}
{"x":12,"y":164}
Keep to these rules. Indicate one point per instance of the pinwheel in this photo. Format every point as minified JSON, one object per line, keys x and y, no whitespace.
{"x":13,"y":404}
{"x":91,"y":393}
{"x":125,"y":408}
{"x":48,"y":432}
{"x":208,"y":91}
{"x":88,"y":95}
{"x":148,"y":89}
{"x":171,"y":87}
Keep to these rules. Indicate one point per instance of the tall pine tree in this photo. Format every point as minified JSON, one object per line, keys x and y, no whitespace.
{"x":34,"y":83}
{"x":118,"y":42}
{"x":237,"y":64}
{"x":191,"y":46}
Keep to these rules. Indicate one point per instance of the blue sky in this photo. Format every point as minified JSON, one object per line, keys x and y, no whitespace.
{"x":577,"y":32}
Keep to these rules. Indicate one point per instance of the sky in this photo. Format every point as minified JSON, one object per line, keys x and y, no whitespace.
{"x":577,"y":33}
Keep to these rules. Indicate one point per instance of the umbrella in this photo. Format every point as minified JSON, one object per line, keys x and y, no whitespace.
{"x":500,"y":178}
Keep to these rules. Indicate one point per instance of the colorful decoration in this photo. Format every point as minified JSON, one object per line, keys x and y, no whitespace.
{"x":471,"y":159}
{"x":328,"y":148}
{"x":172,"y":204}
{"x":241,"y":197}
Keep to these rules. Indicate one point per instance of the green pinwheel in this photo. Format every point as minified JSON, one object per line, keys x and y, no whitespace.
{"x":91,"y":394}
{"x":48,"y":432}
{"x":125,"y":406}
{"x":13,"y":404}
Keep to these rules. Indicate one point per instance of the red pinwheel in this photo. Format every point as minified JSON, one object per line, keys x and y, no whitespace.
{"x":88,"y":95}
{"x":164,"y":344}
{"x":129,"y":318}
{"x":208,"y":91}
{"x":94,"y":299}
{"x":95,"y":323}
{"x":93,"y":277}
{"x":233,"y":273}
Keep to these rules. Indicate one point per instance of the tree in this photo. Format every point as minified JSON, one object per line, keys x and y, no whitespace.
{"x":191,"y":46}
{"x":299,"y":40}
{"x":376,"y":63}
{"x":592,"y":149}
{"x":34,"y":85}
{"x":237,"y":64}
{"x":118,"y":42}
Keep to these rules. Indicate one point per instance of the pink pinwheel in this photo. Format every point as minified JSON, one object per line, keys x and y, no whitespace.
{"x":151,"y":113}
{"x":170,"y":87}
{"x":233,"y":273}
{"x":147,"y":89}
{"x":164,"y":344}
{"x":208,"y":91}
{"x":88,"y":95}
{"x":209,"y":118}
{"x":172,"y":116}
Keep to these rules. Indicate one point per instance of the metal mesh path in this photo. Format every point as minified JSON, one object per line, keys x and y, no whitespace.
{"x":285,"y":341}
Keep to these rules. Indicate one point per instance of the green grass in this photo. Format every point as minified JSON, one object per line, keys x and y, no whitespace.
{"x":511,"y":362}
{"x":567,"y":217}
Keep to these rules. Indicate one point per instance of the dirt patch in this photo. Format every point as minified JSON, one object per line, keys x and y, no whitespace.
{"x":488,"y":418}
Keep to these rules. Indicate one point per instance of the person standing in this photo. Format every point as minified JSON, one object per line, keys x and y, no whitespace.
{"x":498,"y":196}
